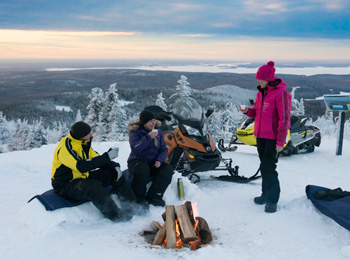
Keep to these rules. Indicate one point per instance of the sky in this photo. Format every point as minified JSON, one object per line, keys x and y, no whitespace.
{"x":237,"y":30}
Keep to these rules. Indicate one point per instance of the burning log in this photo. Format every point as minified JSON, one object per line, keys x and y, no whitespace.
{"x":160,"y":236}
{"x":187,"y":232}
{"x":190,"y":211}
{"x":170,"y":227}
{"x":156,"y":225}
{"x":203,"y":230}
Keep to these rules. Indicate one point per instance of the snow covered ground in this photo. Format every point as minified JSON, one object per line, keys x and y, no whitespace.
{"x":240,"y":229}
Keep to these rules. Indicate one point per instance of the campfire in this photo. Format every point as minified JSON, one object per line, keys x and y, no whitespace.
{"x":181,"y":229}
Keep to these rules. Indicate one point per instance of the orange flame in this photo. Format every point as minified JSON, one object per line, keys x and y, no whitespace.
{"x":178,"y":238}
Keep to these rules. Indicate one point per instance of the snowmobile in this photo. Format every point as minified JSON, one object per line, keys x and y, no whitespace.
{"x":191,"y":149}
{"x":301,"y":138}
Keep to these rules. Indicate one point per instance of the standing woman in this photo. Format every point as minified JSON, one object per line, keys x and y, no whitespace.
{"x":271,"y":111}
{"x":147,"y":159}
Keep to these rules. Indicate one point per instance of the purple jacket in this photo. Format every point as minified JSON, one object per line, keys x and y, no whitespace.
{"x":143,"y":147}
{"x":272,"y":112}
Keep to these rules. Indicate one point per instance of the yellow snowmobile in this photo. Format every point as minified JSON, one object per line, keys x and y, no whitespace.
{"x":300,"y":138}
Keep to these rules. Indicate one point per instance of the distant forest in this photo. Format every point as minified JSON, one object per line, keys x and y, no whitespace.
{"x":35,"y":94}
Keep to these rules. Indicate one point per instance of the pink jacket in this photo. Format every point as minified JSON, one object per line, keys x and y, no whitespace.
{"x":272,"y":112}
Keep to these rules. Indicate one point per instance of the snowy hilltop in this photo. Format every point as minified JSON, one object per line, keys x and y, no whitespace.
{"x":240,"y":229}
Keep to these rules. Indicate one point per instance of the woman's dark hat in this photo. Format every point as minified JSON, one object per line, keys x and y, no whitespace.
{"x":146,"y":116}
{"x":80,"y":129}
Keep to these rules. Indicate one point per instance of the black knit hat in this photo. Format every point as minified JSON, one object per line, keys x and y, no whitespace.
{"x":80,"y":129}
{"x":145,"y":116}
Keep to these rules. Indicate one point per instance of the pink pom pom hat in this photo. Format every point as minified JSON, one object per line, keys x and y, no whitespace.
{"x":266,"y":72}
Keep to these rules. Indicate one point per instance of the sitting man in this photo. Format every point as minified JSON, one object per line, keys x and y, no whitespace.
{"x":80,"y":173}
{"x":147,"y":159}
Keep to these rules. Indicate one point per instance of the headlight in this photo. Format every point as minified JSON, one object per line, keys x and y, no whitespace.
{"x":193,"y":131}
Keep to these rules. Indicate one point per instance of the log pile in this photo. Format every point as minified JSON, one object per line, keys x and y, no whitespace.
{"x":180,"y":229}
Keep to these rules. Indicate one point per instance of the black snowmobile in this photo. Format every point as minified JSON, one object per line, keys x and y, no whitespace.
{"x":191,"y":147}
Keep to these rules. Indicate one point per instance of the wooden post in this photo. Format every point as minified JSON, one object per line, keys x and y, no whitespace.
{"x":160,"y":236}
{"x":170,"y":227}
{"x":187,"y":232}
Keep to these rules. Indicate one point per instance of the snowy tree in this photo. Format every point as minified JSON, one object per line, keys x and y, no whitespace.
{"x":119,"y":127}
{"x":328,"y":114}
{"x":78,"y":117}
{"x":39,"y":134}
{"x":183,"y":89}
{"x":295,"y":103}
{"x":22,"y":138}
{"x":298,"y":108}
{"x":214,"y":123}
{"x":99,"y":131}
{"x":95,"y":106}
{"x":182,"y":103}
{"x":107,"y":115}
{"x":231,"y":120}
{"x":301,"y":107}
{"x":5,"y":131}
{"x":224,"y":123}
{"x":160,"y":102}
{"x":51,"y":136}
{"x":63,"y":130}
{"x":326,"y":125}
{"x":118,"y":121}
{"x":57,"y":132}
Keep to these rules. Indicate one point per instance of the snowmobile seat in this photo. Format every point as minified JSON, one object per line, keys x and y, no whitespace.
{"x":297,"y":122}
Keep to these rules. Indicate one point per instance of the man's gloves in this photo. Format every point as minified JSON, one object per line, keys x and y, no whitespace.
{"x":113,"y":153}
{"x":119,"y":171}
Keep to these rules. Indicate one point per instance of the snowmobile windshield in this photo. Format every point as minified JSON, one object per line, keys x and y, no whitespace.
{"x":188,"y":108}
{"x":189,"y":115}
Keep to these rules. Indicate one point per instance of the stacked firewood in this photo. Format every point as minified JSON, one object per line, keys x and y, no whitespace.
{"x":180,"y":229}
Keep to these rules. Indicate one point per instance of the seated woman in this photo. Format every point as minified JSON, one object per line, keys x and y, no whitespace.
{"x":147,"y":158}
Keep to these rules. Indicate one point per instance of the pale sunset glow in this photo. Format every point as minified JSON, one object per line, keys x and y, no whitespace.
{"x":123,"y":45}
{"x":225,"y":30}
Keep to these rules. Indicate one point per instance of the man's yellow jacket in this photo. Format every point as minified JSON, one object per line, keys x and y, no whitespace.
{"x":74,"y":159}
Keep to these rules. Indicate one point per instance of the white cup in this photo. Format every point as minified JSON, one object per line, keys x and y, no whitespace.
{"x":155,"y":130}
{"x":243,"y":107}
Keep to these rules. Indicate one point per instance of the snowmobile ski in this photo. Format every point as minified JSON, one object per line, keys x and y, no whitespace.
{"x":229,"y":148}
{"x":235,"y":177}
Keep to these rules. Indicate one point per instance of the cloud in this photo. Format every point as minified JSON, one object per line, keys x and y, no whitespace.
{"x":186,"y":7}
{"x":197,"y":35}
{"x":267,"y":7}
{"x":93,"y":18}
{"x":334,"y":5}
